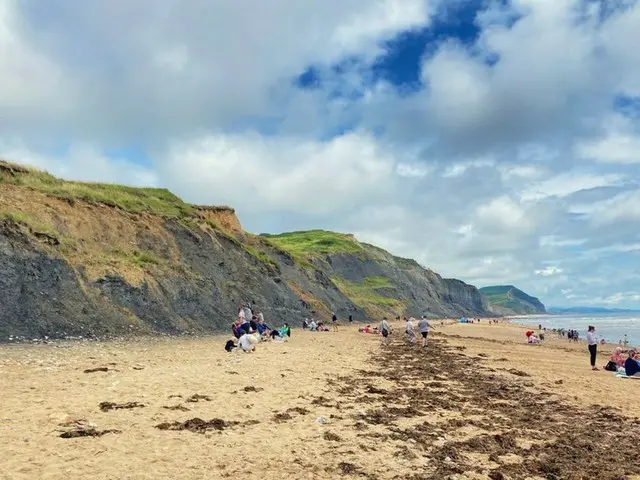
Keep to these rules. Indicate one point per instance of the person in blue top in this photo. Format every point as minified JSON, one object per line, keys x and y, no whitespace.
{"x":631,"y":365}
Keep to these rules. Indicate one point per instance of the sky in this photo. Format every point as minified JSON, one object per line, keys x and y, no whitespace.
{"x":493,"y":141}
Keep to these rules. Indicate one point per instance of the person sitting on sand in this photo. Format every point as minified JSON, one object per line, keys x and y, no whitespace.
{"x":616,"y":360}
{"x":237,"y":329}
{"x":285,"y":331}
{"x":631,"y":365}
{"x":618,"y":357}
{"x":313,"y":325}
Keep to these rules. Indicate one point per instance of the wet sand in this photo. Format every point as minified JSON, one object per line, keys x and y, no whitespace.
{"x":478,"y":403}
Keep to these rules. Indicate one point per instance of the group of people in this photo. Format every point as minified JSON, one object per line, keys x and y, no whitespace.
{"x":249,"y":329}
{"x":414,"y":327}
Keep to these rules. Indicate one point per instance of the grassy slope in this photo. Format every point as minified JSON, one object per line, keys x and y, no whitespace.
{"x":508,"y":296}
{"x":157,"y":201}
{"x":314,"y":243}
{"x":306,"y":245}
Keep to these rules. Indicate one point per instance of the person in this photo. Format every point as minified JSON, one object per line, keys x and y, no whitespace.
{"x":305,"y":324}
{"x":616,"y":360}
{"x":593,"y":345}
{"x":313,"y":325}
{"x":411,"y":333}
{"x":350,"y":318}
{"x":631,"y":365}
{"x":253,"y":323}
{"x":260,"y":316}
{"x":423,"y":327}
{"x":241,"y":315}
{"x":626,"y":341}
{"x":286,"y":330}
{"x":385,"y":330}
{"x":262,"y":327}
{"x":334,"y":321}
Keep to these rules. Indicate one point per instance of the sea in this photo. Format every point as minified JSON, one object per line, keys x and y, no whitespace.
{"x":610,"y":326}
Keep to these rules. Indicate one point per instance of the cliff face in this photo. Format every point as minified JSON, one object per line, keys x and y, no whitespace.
{"x":92,"y":260}
{"x":509,"y":300}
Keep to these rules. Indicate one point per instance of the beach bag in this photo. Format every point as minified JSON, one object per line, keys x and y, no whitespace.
{"x":611,"y":366}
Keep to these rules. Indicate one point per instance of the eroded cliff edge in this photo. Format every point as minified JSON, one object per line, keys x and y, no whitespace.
{"x":80,"y":259}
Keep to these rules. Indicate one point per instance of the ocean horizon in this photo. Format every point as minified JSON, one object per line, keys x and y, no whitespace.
{"x":610,"y":326}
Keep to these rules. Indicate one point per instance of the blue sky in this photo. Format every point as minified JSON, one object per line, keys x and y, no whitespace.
{"x":495,"y":141}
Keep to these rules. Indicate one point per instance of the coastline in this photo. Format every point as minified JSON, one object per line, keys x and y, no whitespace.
{"x":388,"y":412}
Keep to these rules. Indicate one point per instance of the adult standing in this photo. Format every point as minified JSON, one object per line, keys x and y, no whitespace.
{"x":350,"y":318}
{"x":593,"y":345}
{"x":385,"y":330}
{"x":334,"y":321}
{"x":423,"y":327}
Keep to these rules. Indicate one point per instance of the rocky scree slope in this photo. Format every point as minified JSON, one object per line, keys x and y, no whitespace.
{"x":84,"y":259}
{"x":509,"y":300}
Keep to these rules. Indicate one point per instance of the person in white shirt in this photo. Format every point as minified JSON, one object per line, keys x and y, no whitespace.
{"x":593,"y":345}
{"x":411,"y":333}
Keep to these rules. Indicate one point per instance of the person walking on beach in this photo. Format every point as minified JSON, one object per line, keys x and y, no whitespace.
{"x":593,"y":345}
{"x":411,"y":333}
{"x":385,"y":330}
{"x":423,"y":327}
{"x":350,"y":318}
{"x":334,"y":320}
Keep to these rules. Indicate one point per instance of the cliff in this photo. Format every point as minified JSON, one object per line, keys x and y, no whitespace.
{"x":509,"y":300}
{"x":83,"y":259}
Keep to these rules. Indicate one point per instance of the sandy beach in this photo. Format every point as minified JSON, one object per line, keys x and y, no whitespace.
{"x":478,"y":403}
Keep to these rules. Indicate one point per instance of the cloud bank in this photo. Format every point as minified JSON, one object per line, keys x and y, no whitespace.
{"x":501,"y":150}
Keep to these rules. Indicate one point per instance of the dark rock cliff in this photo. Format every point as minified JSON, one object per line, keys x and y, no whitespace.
{"x":78,"y":267}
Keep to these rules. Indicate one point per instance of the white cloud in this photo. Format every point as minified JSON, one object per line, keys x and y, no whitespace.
{"x":491,"y":172}
{"x":619,"y":144}
{"x":257,"y":173}
{"x":548,"y":271}
{"x":568,"y":183}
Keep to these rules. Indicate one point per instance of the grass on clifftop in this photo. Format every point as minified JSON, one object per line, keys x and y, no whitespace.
{"x":157,"y":201}
{"x":364,"y":293}
{"x":315,"y":242}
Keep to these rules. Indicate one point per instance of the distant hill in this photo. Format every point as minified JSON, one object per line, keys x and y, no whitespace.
{"x":509,"y":300}
{"x":587,"y":310}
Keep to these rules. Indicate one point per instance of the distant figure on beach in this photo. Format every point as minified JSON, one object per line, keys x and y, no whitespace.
{"x":350,"y":318}
{"x":334,"y":321}
{"x":241,"y":315}
{"x":631,"y":365}
{"x":592,"y":341}
{"x":423,"y":327}
{"x":411,"y":333}
{"x":626,"y":341}
{"x":385,"y":330}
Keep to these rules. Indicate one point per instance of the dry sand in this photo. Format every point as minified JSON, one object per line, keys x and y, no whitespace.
{"x":462,"y":408}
